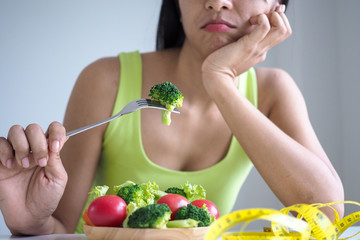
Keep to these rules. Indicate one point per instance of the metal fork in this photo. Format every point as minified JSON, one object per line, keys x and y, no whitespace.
{"x":129,"y":108}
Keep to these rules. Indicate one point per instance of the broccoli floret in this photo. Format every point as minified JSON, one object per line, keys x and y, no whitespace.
{"x":150,"y":216}
{"x":176,"y":190}
{"x":139,"y":194}
{"x":196,"y":213}
{"x":169,"y":96}
{"x":184,"y":223}
{"x":190,"y":191}
{"x":166,"y":117}
{"x":133,"y":193}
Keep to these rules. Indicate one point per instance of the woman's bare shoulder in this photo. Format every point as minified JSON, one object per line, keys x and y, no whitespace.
{"x":94,"y":92}
{"x":100,"y":75}
{"x":106,"y":68}
{"x":275,"y":85}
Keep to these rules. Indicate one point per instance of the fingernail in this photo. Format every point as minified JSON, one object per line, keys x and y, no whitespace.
{"x":9,"y":163}
{"x":55,"y":146}
{"x":282,"y":8}
{"x":42,"y":162}
{"x":25,"y":162}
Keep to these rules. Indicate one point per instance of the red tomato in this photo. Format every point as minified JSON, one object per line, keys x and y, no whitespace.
{"x":213,"y":210}
{"x":174,"y":201}
{"x":86,"y":218}
{"x":107,"y":211}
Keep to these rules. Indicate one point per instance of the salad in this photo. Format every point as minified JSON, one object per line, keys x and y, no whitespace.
{"x":146,"y":206}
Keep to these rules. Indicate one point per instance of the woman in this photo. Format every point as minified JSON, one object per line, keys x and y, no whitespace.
{"x":233,"y":117}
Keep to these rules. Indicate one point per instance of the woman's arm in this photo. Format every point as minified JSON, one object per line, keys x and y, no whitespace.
{"x":92,"y":100}
{"x":290,"y":159}
{"x":281,"y":144}
{"x":289,"y":113}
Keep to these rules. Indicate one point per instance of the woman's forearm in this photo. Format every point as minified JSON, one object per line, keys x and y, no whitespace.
{"x":294,"y":173}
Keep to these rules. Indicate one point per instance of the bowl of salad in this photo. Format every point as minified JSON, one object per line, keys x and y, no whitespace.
{"x":143,"y":211}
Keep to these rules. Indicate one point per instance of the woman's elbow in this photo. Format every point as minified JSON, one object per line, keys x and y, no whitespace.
{"x":337,"y":207}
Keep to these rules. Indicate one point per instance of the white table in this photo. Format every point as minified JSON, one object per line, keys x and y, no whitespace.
{"x":349,"y":232}
{"x":47,"y":237}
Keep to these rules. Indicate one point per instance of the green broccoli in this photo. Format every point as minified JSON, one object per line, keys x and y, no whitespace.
{"x":196,"y":213}
{"x":130,"y":192}
{"x":176,"y":190}
{"x":190,"y":191}
{"x":139,"y":194}
{"x":169,"y":96}
{"x":183,"y":223}
{"x":133,"y":193}
{"x":150,"y":216}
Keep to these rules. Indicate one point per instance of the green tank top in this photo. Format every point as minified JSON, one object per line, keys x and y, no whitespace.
{"x":123,"y":157}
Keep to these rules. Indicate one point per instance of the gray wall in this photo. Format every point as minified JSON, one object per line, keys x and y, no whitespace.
{"x":45,"y":44}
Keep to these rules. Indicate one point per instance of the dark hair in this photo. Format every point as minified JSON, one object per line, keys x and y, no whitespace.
{"x":285,"y":2}
{"x":170,"y":32}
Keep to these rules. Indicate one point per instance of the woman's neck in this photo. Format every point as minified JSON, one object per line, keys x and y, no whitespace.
{"x":189,"y":76}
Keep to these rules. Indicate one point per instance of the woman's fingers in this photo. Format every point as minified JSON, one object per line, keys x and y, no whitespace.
{"x":6,"y":153}
{"x":286,"y":22}
{"x":38,"y":144}
{"x":57,"y":137}
{"x":31,"y":146}
{"x":261,"y":30}
{"x":277,"y":33}
{"x":271,"y":29}
{"x":20,"y":145}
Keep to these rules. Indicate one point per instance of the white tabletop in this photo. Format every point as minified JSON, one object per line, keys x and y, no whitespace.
{"x":349,"y":232}
{"x":48,"y":237}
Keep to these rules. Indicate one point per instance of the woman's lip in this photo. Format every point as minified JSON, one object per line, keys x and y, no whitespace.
{"x":217,"y":25}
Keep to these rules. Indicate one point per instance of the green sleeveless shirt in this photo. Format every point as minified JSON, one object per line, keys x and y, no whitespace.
{"x":123,"y":157}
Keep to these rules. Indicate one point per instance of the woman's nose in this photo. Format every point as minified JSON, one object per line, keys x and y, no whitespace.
{"x":218,"y":5}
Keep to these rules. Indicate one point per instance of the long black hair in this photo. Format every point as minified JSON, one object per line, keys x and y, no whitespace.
{"x":170,"y":32}
{"x":285,"y":2}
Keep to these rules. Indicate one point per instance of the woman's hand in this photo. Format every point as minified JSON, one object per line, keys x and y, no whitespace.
{"x":32,"y":177}
{"x":280,"y":124}
{"x":235,"y":58}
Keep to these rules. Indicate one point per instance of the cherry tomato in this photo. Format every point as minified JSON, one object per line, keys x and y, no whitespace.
{"x":174,"y":201}
{"x":86,"y":218}
{"x":213,"y":210}
{"x":107,"y":211}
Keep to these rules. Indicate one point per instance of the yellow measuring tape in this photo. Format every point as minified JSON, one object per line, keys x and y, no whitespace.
{"x":316,"y":225}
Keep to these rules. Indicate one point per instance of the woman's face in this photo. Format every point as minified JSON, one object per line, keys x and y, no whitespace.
{"x":211,"y":24}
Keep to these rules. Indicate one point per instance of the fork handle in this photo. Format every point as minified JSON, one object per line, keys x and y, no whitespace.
{"x":90,"y":126}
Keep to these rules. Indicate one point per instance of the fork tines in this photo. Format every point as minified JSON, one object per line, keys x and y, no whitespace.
{"x":149,"y":102}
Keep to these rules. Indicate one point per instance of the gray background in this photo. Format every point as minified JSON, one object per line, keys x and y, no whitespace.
{"x":45,"y":44}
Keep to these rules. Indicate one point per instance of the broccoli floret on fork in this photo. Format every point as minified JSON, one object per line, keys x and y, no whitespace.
{"x":169,"y":96}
